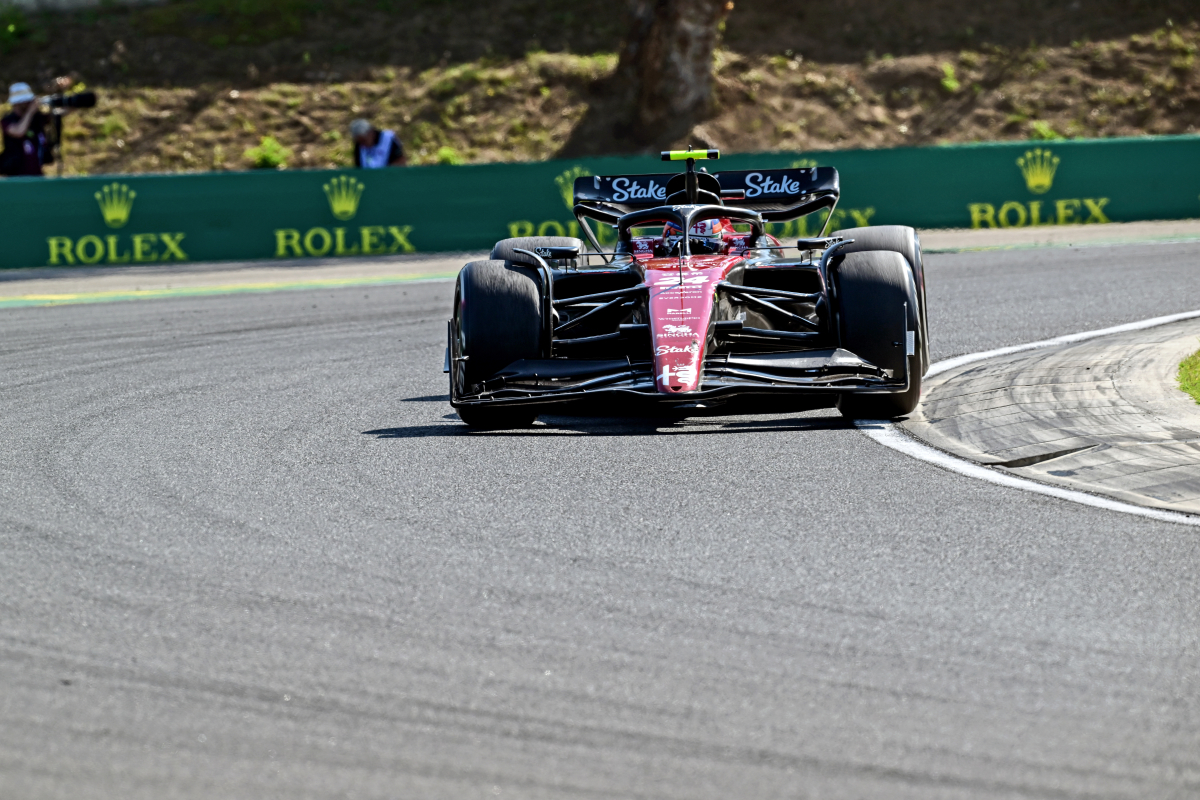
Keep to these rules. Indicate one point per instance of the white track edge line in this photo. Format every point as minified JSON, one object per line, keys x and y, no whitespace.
{"x":888,"y":435}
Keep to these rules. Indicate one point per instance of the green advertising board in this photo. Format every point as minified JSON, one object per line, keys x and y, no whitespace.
{"x":157,"y":219}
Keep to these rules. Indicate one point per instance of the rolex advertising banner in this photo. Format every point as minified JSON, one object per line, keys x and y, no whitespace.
{"x":170,"y":219}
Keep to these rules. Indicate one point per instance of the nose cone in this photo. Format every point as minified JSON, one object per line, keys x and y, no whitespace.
{"x":681,"y":306}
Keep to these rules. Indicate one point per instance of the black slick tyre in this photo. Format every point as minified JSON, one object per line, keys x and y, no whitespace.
{"x":876,"y":308}
{"x":505,"y":249}
{"x":898,"y":239}
{"x":497,"y":320}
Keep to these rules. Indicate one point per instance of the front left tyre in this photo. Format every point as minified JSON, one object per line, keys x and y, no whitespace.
{"x":506,"y":249}
{"x":876,"y":313}
{"x":905,"y":241}
{"x":497,"y":320}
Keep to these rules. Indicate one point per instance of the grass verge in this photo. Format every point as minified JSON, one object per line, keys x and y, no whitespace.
{"x":1189,"y":375}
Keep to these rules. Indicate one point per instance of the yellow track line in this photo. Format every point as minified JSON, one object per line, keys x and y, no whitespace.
{"x":74,"y":298}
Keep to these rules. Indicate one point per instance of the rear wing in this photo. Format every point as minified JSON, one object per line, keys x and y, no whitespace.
{"x":778,"y":194}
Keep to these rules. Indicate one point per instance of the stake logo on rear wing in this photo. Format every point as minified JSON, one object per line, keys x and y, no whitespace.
{"x":780,"y":194}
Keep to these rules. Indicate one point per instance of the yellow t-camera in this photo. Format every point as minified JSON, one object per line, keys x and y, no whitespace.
{"x":684,"y":155}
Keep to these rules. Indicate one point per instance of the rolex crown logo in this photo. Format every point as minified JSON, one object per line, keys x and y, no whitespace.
{"x":343,"y":193}
{"x":116,"y":202}
{"x":1038,"y":167}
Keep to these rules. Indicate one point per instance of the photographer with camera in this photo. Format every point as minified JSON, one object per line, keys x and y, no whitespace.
{"x":32,"y":138}
{"x":26,"y":144}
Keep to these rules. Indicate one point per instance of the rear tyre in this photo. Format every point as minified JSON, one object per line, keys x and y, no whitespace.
{"x":872,"y":291}
{"x":898,"y":239}
{"x":497,"y":320}
{"x":505,"y":249}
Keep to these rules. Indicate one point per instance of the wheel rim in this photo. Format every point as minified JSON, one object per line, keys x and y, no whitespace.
{"x":458,"y":367}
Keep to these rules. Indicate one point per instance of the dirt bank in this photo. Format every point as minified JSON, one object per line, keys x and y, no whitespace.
{"x":193,"y":85}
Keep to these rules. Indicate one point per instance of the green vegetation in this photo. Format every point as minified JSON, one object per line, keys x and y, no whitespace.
{"x":114,"y":125}
{"x":220,"y":23}
{"x":1043,"y":131}
{"x":448,"y":155}
{"x":1189,"y":375}
{"x":13,"y":26}
{"x":949,"y":80}
{"x":269,"y":154}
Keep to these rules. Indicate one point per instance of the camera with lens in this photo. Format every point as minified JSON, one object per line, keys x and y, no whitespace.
{"x":76,"y":100}
{"x":60,"y":103}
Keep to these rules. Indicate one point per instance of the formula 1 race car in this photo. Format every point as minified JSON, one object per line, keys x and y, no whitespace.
{"x":695,"y":305}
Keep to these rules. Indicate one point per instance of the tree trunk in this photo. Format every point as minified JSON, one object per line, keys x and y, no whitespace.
{"x":666,"y":65}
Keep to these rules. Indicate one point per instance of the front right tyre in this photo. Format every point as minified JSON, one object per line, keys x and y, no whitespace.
{"x":497,"y":320}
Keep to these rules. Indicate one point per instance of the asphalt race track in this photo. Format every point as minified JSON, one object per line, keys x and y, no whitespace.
{"x":246,"y":551}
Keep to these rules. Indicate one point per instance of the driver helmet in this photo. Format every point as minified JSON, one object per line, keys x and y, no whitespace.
{"x":711,"y":228}
{"x":706,"y":229}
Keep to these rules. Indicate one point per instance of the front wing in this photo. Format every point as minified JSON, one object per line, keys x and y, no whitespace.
{"x":541,"y":381}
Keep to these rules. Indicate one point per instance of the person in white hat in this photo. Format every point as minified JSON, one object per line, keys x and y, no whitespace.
{"x":26,"y":146}
{"x":374,"y":149}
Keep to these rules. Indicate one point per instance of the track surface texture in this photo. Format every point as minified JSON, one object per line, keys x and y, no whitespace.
{"x":247,"y":552}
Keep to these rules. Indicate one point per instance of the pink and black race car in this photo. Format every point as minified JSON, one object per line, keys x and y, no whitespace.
{"x":696,"y":304}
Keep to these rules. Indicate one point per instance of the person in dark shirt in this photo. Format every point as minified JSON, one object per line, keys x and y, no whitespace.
{"x":375,"y":149}
{"x":26,"y":145}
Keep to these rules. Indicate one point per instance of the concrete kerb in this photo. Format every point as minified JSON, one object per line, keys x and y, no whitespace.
{"x":1093,"y":413}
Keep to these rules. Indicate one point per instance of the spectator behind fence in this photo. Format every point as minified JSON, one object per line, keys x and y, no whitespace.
{"x":375,"y":149}
{"x":26,"y":144}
